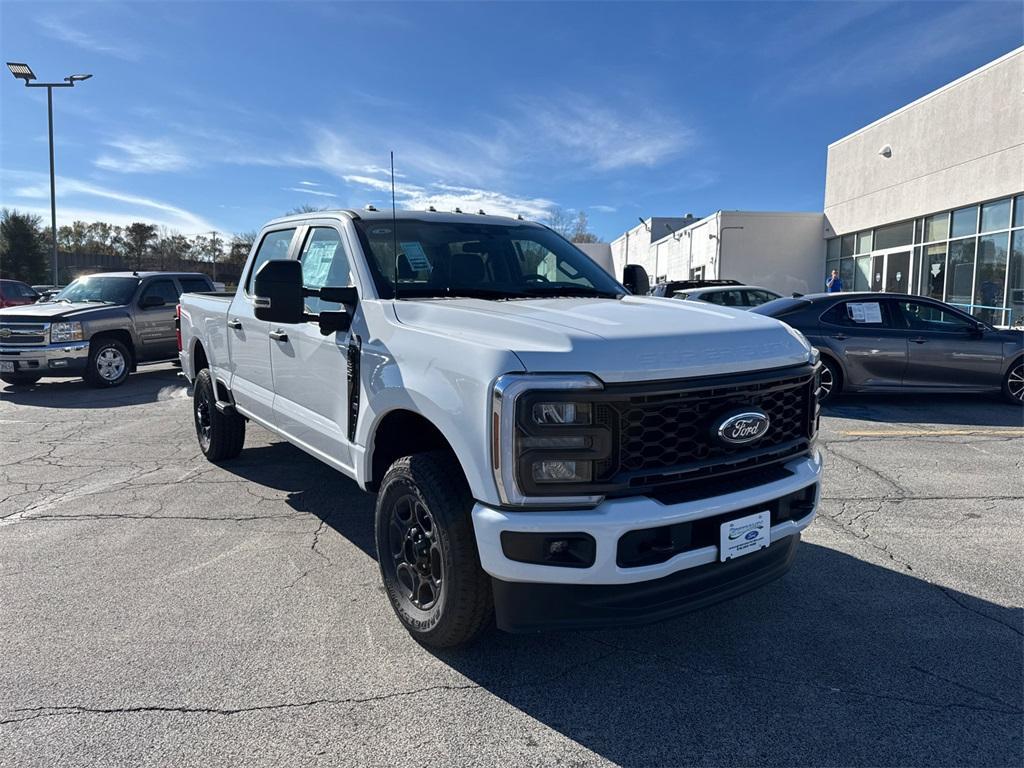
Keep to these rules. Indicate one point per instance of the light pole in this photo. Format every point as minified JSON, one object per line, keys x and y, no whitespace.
{"x":24,"y":72}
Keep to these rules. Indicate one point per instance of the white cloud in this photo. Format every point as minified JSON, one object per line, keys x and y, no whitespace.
{"x":137,"y":155}
{"x":448,"y":197}
{"x":604,"y":208}
{"x":309,"y":184}
{"x":76,"y":200}
{"x":592,"y":135}
{"x":69,"y":30}
{"x":308,"y":191}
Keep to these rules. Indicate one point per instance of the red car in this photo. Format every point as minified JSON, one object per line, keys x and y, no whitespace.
{"x":14,"y":293}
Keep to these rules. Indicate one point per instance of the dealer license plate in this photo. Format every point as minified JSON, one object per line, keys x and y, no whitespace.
{"x":6,"y":366}
{"x":745,"y":535}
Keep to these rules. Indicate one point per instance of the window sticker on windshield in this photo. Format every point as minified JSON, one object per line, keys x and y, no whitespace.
{"x":416,"y":257}
{"x":316,"y":262}
{"x":867,"y":312}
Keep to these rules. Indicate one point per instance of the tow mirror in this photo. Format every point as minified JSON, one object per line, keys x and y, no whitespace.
{"x":337,"y":320}
{"x":277,"y":292}
{"x":635,"y":278}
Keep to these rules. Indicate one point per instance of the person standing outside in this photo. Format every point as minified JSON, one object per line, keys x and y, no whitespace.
{"x":835,"y":283}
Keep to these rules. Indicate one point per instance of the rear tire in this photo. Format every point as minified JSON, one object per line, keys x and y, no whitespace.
{"x":221,"y":435}
{"x":427,"y":551}
{"x":1013,"y":383}
{"x":109,"y":364}
{"x":831,"y":380}
{"x":20,"y":379}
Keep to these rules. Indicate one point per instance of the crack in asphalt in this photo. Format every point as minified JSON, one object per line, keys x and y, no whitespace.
{"x":42,"y":711}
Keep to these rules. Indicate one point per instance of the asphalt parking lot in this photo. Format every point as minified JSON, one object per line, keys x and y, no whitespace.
{"x":158,"y":610}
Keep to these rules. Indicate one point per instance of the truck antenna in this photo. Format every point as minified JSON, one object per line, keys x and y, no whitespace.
{"x":394,"y":222}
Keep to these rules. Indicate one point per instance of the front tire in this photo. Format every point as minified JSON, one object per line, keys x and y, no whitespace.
{"x":221,"y":435}
{"x":427,"y":551}
{"x":831,"y":381}
{"x":18,"y":379}
{"x":109,"y":364}
{"x":1013,"y":383}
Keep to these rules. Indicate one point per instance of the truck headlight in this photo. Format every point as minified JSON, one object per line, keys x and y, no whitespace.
{"x":71,"y":331}
{"x":544,"y":441}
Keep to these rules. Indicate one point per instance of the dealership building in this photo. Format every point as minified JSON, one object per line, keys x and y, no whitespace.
{"x":927,"y":200}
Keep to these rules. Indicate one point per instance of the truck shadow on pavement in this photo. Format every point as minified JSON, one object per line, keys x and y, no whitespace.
{"x":959,"y":410}
{"x":841,"y":662}
{"x":147,"y":385}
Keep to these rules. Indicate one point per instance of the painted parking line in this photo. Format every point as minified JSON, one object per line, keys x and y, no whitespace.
{"x":1004,"y":432}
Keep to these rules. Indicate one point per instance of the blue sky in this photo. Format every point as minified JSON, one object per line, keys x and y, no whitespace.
{"x":207,"y":115}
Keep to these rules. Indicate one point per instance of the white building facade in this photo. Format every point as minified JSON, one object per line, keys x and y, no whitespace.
{"x":928,"y":200}
{"x":779,"y":251}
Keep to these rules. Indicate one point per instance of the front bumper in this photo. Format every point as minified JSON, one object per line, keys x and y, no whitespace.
{"x":522,"y":589}
{"x":62,"y":359}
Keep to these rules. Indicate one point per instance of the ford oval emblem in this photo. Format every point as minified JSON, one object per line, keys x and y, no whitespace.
{"x":744,"y":427}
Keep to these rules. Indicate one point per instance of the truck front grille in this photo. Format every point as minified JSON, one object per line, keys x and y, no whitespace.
{"x":664,"y":431}
{"x":23,"y":334}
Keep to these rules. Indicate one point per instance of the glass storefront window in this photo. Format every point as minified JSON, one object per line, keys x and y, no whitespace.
{"x":1015,"y":279}
{"x":846,"y":273}
{"x":933,"y":278}
{"x":864,"y":242}
{"x":862,"y":275}
{"x":960,"y":272}
{"x":1018,"y":211}
{"x":833,"y":249}
{"x":995,"y":215}
{"x":991,"y":277}
{"x":846,"y":247}
{"x":894,"y":235}
{"x":965,"y":221}
{"x":936,"y":227}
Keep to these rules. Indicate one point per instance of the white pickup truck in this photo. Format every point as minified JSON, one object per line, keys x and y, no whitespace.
{"x":546,"y":448}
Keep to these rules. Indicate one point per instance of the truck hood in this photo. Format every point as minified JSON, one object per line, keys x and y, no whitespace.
{"x":631,"y":339}
{"x":53,"y":311}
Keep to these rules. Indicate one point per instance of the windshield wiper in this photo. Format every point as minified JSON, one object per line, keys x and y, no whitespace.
{"x":572,"y":290}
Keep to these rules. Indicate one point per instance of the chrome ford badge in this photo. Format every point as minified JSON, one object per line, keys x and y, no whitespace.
{"x":744,"y":427}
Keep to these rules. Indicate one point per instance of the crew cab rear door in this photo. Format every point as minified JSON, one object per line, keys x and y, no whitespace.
{"x":252,"y":381}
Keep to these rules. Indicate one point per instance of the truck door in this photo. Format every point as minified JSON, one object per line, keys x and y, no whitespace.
{"x":310,"y":370}
{"x":154,"y":320}
{"x":252,"y":383}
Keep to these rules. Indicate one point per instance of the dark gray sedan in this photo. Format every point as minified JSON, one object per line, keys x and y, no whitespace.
{"x":891,"y":342}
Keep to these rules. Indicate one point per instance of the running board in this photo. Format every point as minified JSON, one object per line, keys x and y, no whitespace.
{"x":223,"y":406}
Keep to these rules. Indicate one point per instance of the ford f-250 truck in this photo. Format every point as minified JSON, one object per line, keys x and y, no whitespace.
{"x":545,"y":447}
{"x":100,"y":327}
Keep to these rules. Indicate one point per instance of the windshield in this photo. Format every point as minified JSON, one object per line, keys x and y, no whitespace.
{"x":485,"y":260}
{"x":781,"y":307}
{"x":108,"y":290}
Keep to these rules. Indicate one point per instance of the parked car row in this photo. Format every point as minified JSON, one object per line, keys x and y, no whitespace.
{"x":725,"y":293}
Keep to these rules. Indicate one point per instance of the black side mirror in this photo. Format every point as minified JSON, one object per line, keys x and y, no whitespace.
{"x":978,"y":330}
{"x":277,"y":292}
{"x":333,"y":320}
{"x":635,"y":278}
{"x":148,"y":302}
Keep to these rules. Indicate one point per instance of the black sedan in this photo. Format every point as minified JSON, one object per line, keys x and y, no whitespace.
{"x":891,"y":342}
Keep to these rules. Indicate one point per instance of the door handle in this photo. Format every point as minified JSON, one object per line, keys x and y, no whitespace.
{"x":840,"y":337}
{"x":234,"y":323}
{"x":279,"y":335}
{"x":919,"y":340}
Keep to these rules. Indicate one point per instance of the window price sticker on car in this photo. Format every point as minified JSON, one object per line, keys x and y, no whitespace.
{"x":745,"y":535}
